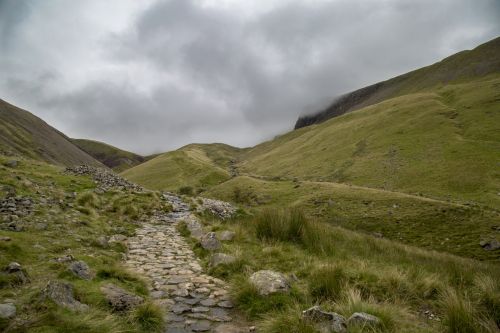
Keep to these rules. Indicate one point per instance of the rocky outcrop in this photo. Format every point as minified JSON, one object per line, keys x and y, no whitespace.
{"x":62,"y":294}
{"x":363,"y":319}
{"x":82,"y":270}
{"x":490,"y":245}
{"x":119,"y":299}
{"x":269,"y":282}
{"x":325,"y":322}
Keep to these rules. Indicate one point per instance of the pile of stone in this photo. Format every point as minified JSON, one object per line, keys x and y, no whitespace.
{"x":221,"y":209}
{"x":105,"y":179}
{"x":20,"y":206}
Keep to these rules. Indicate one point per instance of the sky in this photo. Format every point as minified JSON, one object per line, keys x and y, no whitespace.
{"x":151,"y":76}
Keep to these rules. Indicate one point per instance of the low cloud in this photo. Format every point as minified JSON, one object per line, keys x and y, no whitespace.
{"x":157,"y":75}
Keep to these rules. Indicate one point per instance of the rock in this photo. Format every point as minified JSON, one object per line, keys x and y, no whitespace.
{"x":221,"y":259}
{"x":201,"y":326}
{"x":326,"y":322}
{"x":117,"y":238}
{"x":7,"y":311}
{"x":105,"y":179}
{"x":210,"y":242}
{"x":119,"y":299}
{"x":81,"y":269}
{"x":5,"y":239}
{"x":227,"y":235}
{"x":229,"y":328}
{"x":11,"y":163}
{"x":221,"y":209}
{"x":490,"y":245}
{"x":362,"y":318}
{"x":16,"y":270}
{"x":64,"y":259}
{"x":62,"y":294}
{"x":269,"y":282}
{"x":102,"y":241}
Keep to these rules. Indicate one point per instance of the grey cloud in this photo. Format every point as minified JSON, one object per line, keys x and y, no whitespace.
{"x":183,"y":71}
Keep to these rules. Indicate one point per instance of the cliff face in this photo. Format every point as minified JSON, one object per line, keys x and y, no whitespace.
{"x":462,"y":66}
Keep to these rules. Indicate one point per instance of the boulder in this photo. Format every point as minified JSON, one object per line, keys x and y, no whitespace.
{"x":269,"y":282}
{"x":221,"y":259}
{"x":7,"y":311}
{"x":227,"y":235}
{"x":117,"y":238}
{"x":363,"y":319}
{"x":490,"y":245}
{"x":81,"y":269}
{"x":62,"y":294}
{"x":102,"y":241}
{"x":119,"y":299}
{"x":16,"y":270}
{"x":210,"y":242}
{"x":325,"y":322}
{"x":11,"y":163}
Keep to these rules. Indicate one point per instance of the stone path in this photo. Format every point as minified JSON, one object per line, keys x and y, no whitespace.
{"x":196,"y":302}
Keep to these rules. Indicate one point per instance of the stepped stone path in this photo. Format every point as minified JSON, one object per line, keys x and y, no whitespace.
{"x":195,"y":301}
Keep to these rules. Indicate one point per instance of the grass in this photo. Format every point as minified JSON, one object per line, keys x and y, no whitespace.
{"x":186,"y":167}
{"x":111,"y":213}
{"x":440,"y":143}
{"x":348,"y":272}
{"x":114,"y":158}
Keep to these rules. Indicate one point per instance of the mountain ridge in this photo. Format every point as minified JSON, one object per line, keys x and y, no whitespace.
{"x":481,"y":61}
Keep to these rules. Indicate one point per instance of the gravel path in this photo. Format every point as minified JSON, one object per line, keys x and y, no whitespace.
{"x":195,"y":301}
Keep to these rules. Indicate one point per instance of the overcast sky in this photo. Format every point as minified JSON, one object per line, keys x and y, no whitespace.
{"x":151,"y":76}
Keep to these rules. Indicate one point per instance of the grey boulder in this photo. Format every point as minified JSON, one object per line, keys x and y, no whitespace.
{"x":62,"y":294}
{"x":269,"y":282}
{"x":81,"y":269}
{"x":210,"y":242}
{"x":119,"y":299}
{"x":325,"y":322}
{"x":221,"y":259}
{"x":363,"y":319}
{"x":7,"y":310}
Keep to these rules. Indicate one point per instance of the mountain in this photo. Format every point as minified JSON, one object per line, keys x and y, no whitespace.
{"x":22,"y":133}
{"x":460,"y":67}
{"x":114,"y":158}
{"x":420,"y":168}
{"x":194,"y":165}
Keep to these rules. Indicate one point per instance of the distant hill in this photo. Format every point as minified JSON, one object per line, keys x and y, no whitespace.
{"x":114,"y":158}
{"x":460,"y":67}
{"x":441,"y":143}
{"x":22,"y":133}
{"x":195,"y":165}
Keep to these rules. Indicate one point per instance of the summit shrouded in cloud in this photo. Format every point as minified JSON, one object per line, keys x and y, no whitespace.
{"x":151,"y":76}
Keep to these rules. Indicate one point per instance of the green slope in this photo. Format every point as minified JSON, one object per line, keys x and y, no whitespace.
{"x":458,"y":68}
{"x":443,"y":143}
{"x":23,"y":134}
{"x":194,"y":165}
{"x":114,"y":158}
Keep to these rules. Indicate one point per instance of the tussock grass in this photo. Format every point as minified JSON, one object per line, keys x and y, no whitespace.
{"x":327,"y":282}
{"x":149,"y":317}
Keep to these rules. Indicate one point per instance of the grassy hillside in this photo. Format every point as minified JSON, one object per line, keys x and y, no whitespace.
{"x":69,"y":218}
{"x":196,"y":166}
{"x":461,"y":67}
{"x":21,"y":133}
{"x":443,"y":143}
{"x":114,"y":158}
{"x":409,"y":289}
{"x":419,"y":221}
